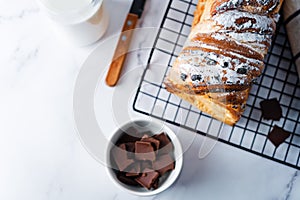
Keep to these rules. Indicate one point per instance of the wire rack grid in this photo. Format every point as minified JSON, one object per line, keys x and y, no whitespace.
{"x":279,"y":80}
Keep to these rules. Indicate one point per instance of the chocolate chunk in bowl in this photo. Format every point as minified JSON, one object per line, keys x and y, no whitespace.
{"x":144,"y":151}
{"x":152,"y":165}
{"x":141,"y":161}
{"x":121,"y":159}
{"x":148,"y":178}
{"x":164,"y":164}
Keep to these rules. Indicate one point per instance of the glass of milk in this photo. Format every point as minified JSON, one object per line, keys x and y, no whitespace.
{"x":82,"y":22}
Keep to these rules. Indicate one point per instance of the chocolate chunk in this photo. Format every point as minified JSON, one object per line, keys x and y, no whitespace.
{"x":127,"y":138}
{"x":135,"y":169}
{"x":130,"y":147}
{"x":165,"y":143}
{"x":163,"y":164}
{"x":119,"y":154}
{"x":196,"y":77}
{"x":131,"y":135}
{"x":241,"y":21}
{"x":155,"y":143}
{"x":145,"y":164}
{"x":241,"y":71}
{"x":155,"y":184}
{"x":144,"y":151}
{"x":131,"y":174}
{"x":225,"y":65}
{"x":271,"y":109}
{"x":126,"y":180}
{"x":278,"y":135}
{"x":183,"y":76}
{"x":148,"y":178}
{"x":136,"y":157}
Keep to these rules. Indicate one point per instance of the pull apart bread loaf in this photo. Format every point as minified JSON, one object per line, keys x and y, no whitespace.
{"x":223,"y":55}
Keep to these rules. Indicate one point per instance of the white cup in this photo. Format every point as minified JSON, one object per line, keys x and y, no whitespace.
{"x":81,"y":22}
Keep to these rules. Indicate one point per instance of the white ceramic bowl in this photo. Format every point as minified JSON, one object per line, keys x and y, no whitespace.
{"x":155,"y":128}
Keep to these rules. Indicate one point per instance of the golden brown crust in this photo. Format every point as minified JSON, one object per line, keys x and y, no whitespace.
{"x":227,"y":113}
{"x":198,"y":12}
{"x":233,"y":97}
{"x":223,"y":55}
{"x":224,"y":106}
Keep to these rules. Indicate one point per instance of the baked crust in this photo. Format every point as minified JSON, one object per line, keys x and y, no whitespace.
{"x":227,"y":113}
{"x":223,"y":55}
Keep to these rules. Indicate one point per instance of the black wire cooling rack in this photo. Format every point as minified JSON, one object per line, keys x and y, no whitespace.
{"x":279,"y":80}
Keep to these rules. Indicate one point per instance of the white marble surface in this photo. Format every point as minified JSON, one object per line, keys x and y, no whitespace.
{"x":41,"y":156}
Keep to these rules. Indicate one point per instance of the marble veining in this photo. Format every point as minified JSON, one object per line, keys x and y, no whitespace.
{"x":290,"y":186}
{"x":40,"y":154}
{"x":21,"y":56}
{"x":19,"y":16}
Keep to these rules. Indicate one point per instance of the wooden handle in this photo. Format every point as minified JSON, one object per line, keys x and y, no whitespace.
{"x":121,"y":50}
